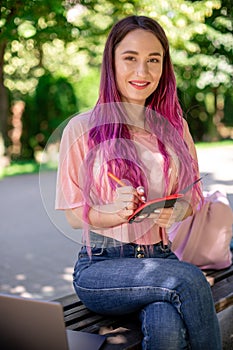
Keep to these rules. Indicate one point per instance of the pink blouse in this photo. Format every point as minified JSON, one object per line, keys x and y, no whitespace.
{"x":71,"y":177}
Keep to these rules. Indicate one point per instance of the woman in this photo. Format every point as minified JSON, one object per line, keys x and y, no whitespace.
{"x":136,"y":132}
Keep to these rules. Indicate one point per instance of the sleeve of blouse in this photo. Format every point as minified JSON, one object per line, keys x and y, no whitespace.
{"x":69,"y":192}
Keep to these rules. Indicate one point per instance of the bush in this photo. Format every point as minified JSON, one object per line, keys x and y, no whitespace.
{"x":53,"y":102}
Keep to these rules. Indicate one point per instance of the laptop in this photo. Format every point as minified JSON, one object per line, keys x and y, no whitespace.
{"x":29,"y":324}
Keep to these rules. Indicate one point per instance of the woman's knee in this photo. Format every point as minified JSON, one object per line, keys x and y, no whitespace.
{"x":192,"y":274}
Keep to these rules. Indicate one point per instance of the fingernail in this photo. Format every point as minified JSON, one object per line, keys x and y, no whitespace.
{"x":141,"y":189}
{"x":143,"y":198}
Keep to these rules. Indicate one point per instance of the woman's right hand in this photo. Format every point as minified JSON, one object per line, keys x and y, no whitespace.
{"x":116,"y":213}
{"x":127,"y":200}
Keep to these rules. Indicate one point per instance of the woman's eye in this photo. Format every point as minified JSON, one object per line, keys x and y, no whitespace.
{"x":153,"y":60}
{"x":129,"y":58}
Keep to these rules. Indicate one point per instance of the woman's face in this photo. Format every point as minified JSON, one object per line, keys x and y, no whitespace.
{"x":138,"y":66}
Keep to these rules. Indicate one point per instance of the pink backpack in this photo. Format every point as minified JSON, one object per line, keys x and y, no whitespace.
{"x":204,"y":239}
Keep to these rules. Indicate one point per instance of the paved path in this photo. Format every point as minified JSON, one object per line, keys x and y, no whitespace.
{"x":36,"y":259}
{"x":38,"y":249}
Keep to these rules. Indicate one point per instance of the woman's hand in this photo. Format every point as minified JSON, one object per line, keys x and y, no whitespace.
{"x":116,"y":213}
{"x":166,"y":217}
{"x":128,"y":199}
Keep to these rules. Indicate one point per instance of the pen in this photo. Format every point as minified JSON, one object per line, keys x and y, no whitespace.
{"x":121,"y":183}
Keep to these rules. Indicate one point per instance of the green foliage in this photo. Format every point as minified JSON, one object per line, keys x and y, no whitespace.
{"x":25,"y":27}
{"x":53,"y":52}
{"x":204,"y":67}
{"x":54,"y":100}
{"x":200,"y":35}
{"x":40,"y":19}
{"x":87,"y":88}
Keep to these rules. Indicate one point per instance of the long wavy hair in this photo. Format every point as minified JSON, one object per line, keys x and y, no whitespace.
{"x":109,"y":133}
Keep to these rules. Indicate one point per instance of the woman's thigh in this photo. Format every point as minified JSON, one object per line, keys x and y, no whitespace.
{"x":127,"y":284}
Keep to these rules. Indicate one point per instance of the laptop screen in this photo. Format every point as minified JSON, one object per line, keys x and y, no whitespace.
{"x":29,"y":324}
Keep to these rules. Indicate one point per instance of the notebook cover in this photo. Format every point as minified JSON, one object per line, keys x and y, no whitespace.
{"x":150,"y":206}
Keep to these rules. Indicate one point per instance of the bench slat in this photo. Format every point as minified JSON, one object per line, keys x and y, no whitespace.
{"x":223,"y":293}
{"x":219,"y":275}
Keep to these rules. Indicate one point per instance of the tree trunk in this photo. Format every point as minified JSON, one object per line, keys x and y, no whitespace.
{"x":216,"y":117}
{"x":4,"y":103}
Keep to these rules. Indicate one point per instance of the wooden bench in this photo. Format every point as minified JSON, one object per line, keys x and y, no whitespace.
{"x":123,"y":333}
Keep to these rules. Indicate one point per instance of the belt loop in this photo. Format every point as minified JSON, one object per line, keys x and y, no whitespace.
{"x":165,"y":247}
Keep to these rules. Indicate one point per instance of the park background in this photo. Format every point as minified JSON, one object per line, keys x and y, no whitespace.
{"x":50,"y":60}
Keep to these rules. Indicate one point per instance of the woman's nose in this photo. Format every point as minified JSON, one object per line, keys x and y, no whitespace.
{"x":142,"y":69}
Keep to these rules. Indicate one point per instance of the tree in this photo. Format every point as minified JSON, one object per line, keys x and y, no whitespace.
{"x":66,"y":39}
{"x":200,"y":35}
{"x":37,"y":38}
{"x":25,"y":27}
{"x":46,"y":112}
{"x":205,"y":75}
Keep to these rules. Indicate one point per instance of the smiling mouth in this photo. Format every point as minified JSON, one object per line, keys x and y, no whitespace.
{"x":139,"y":84}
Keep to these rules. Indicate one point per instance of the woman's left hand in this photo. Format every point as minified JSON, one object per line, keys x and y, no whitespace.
{"x":166,"y":217}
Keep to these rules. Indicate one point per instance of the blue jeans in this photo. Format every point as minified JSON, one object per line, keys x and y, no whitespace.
{"x":172,"y":298}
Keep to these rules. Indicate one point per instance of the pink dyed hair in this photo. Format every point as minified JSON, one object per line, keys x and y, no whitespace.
{"x":163,"y":112}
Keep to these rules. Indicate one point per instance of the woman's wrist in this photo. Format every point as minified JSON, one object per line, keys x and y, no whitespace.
{"x":105,"y":216}
{"x":182,"y":210}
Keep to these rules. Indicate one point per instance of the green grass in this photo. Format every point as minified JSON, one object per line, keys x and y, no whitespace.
{"x":214,"y":144}
{"x":25,"y":167}
{"x":30,"y":167}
